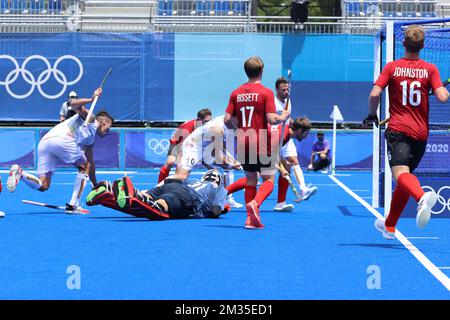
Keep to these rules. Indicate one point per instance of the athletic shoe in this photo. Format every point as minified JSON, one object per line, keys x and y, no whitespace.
{"x":15,"y":174}
{"x":426,"y":203}
{"x":283,"y":207}
{"x":309,"y":192}
{"x":325,"y":171}
{"x":71,"y":209}
{"x":123,"y":191}
{"x":253,"y":213}
{"x":388,"y":233}
{"x":234,"y":204}
{"x":248,"y":224}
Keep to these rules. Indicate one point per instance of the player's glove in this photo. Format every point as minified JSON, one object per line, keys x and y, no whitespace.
{"x":371,"y":118}
{"x":226,"y":209}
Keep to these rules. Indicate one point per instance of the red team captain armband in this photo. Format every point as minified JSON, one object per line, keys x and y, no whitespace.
{"x":410,"y":82}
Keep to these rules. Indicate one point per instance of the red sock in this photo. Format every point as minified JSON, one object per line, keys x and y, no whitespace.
{"x":398,"y":204}
{"x":283,"y":186}
{"x":237,"y":185}
{"x":250,"y":193}
{"x":264,"y":191}
{"x":411,"y":185}
{"x":163,"y":173}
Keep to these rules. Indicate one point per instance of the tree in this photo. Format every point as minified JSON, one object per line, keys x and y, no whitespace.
{"x":282,"y":7}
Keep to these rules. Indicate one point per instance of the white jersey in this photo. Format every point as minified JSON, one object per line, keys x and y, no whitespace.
{"x":73,"y":129}
{"x":200,"y":137}
{"x":289,"y":149}
{"x":197,"y":146}
{"x":279,"y":105}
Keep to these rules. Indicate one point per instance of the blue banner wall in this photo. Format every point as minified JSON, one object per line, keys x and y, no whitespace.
{"x":326,"y":70}
{"x":17,"y":147}
{"x":38,"y":70}
{"x":167,"y":77}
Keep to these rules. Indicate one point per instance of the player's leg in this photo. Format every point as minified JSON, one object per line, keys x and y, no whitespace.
{"x":81,"y":180}
{"x":228,"y":178}
{"x":267,"y":172}
{"x":238,"y":185}
{"x":411,"y":185}
{"x":170,"y":162}
{"x":190,"y":156}
{"x":307,"y":190}
{"x":404,"y":157}
{"x":165,"y":169}
{"x":251,"y":176}
{"x":101,"y":194}
{"x":46,"y":166}
{"x":283,"y":186}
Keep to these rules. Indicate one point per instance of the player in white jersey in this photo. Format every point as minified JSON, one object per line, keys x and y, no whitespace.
{"x":289,"y":157}
{"x":211,"y":145}
{"x":64,"y":144}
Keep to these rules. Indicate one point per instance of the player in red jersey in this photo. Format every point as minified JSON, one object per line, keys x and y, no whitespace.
{"x":410,"y":80}
{"x":184,"y":130}
{"x":253,"y":106}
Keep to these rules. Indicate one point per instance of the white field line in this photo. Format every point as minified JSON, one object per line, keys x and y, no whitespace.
{"x":435,"y":271}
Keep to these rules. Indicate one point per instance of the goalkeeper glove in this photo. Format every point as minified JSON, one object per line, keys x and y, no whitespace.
{"x":371,"y":118}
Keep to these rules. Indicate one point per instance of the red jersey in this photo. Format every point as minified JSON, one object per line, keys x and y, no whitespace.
{"x":183,"y":131}
{"x":249,"y":104}
{"x":409,"y":83}
{"x":276,"y":129}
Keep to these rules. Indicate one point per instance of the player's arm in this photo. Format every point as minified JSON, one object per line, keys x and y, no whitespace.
{"x":441,"y":94}
{"x":78,"y":105}
{"x":375,"y":94}
{"x":374,"y":100}
{"x":228,"y":120}
{"x":439,"y":90}
{"x":275,"y":118}
{"x":89,"y":152}
{"x":219,"y":204}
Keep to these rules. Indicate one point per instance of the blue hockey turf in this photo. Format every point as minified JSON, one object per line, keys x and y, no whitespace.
{"x":326,"y":249}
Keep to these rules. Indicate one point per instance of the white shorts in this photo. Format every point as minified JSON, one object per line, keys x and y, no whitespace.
{"x":57,"y":151}
{"x":289,"y":150}
{"x":191,"y":155}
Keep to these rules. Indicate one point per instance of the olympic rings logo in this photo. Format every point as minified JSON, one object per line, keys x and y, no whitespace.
{"x":441,"y":199}
{"x":159,"y":146}
{"x":43,"y":77}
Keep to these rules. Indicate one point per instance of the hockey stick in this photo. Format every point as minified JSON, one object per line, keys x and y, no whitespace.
{"x":91,"y":109}
{"x":298,"y":197}
{"x":281,"y":167}
{"x":51,"y":206}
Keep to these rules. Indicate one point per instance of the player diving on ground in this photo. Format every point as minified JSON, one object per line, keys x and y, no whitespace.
{"x":171,"y":199}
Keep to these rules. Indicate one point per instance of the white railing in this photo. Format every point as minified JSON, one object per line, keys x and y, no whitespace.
{"x":200,"y":16}
{"x":390,"y":8}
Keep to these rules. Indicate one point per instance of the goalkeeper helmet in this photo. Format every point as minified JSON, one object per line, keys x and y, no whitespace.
{"x":213,"y":176}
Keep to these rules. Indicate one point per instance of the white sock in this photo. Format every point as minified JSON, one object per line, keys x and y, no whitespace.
{"x":298,"y":173}
{"x":31,"y":180}
{"x":78,"y":188}
{"x":228,"y":178}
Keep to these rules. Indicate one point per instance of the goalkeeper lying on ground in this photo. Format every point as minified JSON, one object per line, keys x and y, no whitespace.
{"x":172,"y":199}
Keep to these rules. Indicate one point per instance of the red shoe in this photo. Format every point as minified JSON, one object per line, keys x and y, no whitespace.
{"x":253,"y":217}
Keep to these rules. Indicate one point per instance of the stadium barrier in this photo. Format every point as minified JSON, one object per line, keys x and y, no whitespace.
{"x":162,"y":76}
{"x":127,"y":149}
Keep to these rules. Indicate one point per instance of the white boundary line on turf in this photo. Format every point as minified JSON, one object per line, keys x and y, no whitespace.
{"x":435,"y":271}
{"x":423,"y":238}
